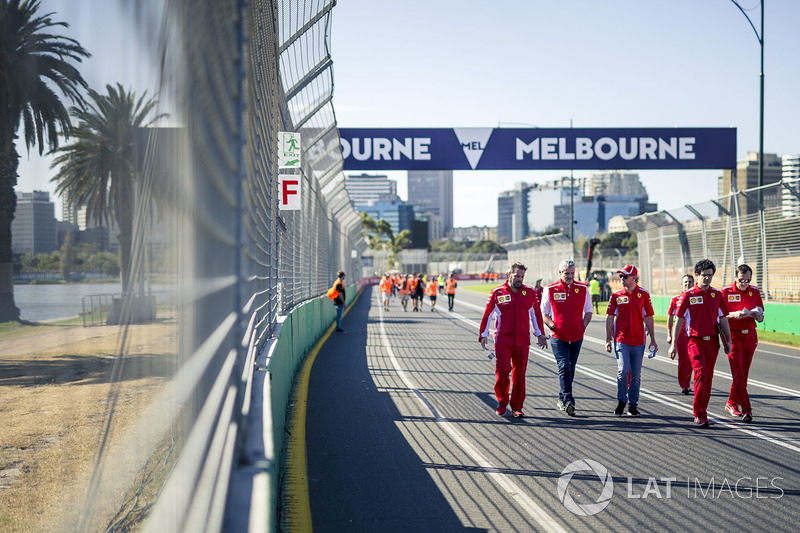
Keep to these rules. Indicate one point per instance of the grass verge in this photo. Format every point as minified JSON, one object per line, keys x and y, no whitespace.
{"x":775,"y":337}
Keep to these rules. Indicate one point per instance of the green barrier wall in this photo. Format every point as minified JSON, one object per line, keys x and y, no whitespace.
{"x":295,"y":336}
{"x":780,"y":317}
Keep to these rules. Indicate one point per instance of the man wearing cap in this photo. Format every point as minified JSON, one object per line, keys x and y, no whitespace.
{"x":566,"y":311}
{"x":745,"y":308}
{"x":630,"y":311}
{"x":703,"y":309}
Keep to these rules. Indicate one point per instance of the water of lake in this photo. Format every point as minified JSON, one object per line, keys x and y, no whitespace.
{"x":46,"y":302}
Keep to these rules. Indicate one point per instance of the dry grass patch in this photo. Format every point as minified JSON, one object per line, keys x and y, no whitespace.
{"x":58,"y":386}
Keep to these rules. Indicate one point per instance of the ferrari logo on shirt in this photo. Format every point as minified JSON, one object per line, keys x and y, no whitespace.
{"x":713,"y":295}
{"x":523,"y":293}
{"x":576,"y":291}
{"x":734,"y":297}
{"x":504,"y":299}
{"x":639,"y":294}
{"x":696,"y":300}
{"x":750,"y":293}
{"x":622,"y":300}
{"x":559,"y":296}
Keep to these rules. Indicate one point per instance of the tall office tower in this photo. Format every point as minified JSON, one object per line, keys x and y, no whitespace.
{"x":365,"y":189}
{"x":512,"y":214}
{"x":433,"y":191}
{"x":614,"y":183}
{"x":747,"y":178}
{"x":34,"y":226}
{"x":790,"y":174}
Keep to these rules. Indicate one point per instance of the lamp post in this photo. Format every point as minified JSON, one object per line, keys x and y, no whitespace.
{"x":762,"y":272}
{"x":760,"y":38}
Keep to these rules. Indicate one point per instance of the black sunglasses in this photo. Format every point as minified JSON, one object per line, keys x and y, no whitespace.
{"x":623,"y":277}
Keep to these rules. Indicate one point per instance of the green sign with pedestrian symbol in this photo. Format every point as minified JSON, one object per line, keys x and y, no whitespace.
{"x":289,"y":154}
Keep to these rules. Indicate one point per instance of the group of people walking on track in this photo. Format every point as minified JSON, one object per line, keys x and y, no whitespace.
{"x":699,"y":319}
{"x":415,"y":287}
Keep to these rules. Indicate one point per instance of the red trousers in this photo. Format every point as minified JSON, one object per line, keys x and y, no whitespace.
{"x":684,"y":363}
{"x":743,"y":346}
{"x":513,"y":360}
{"x":703,"y":355}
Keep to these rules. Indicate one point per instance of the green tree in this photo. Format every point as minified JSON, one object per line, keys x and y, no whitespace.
{"x":98,"y":169}
{"x":36,"y":65}
{"x":486,"y":246}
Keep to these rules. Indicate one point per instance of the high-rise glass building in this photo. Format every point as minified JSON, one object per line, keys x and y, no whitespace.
{"x":790,"y":175}
{"x":34,"y":226}
{"x":747,"y":178}
{"x":365,"y":189}
{"x":432,"y":191}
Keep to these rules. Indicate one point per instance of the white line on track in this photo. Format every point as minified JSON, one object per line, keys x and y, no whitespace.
{"x":512,"y":490}
{"x":660,"y":398}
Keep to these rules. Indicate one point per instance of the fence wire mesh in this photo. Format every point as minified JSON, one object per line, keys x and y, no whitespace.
{"x":232,"y":75}
{"x":672,"y":241}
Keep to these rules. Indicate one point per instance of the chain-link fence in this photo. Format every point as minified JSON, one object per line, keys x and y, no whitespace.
{"x":233,"y":74}
{"x":768,"y":240}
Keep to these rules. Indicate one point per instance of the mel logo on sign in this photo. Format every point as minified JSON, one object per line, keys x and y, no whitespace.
{"x":734,"y":297}
{"x":557,"y":296}
{"x":622,"y":300}
{"x":695,"y":300}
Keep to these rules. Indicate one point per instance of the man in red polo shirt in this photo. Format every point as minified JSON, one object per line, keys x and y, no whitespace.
{"x":629,"y":312}
{"x":744,"y":309}
{"x":684,"y":364}
{"x":566,"y":311}
{"x":702,"y":309}
{"x":515,"y":307}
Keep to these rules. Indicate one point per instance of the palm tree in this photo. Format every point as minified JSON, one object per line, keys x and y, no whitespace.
{"x":35,"y":65}
{"x":98,"y":169}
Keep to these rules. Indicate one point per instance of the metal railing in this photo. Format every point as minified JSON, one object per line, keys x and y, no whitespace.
{"x":232,"y":75}
{"x":768,"y":240}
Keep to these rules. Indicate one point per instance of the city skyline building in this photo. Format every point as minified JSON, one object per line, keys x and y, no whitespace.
{"x":397,"y":213}
{"x":365,"y":189}
{"x":790,"y":195}
{"x":747,"y":178}
{"x":432,"y":191}
{"x":33,"y":228}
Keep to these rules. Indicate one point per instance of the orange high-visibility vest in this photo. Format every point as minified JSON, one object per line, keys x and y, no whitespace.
{"x":450,"y":286}
{"x":386,"y":285}
{"x":404,"y":287}
{"x":431,"y":289}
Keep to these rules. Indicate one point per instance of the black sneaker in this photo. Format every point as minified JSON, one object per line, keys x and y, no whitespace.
{"x":686,"y":390}
{"x":340,"y":330}
{"x":570,"y":409}
{"x":620,"y":410}
{"x":633,"y":411}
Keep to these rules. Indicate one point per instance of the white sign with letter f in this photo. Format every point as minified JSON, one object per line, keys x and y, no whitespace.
{"x":289,"y":192}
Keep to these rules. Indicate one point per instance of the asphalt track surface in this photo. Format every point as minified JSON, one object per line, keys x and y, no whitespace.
{"x":401,"y":435}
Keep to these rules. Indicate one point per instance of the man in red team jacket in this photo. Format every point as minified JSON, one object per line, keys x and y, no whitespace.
{"x":515,"y":307}
{"x":703,"y":308}
{"x":744,"y":309}
{"x":566,"y":310}
{"x":684,"y":364}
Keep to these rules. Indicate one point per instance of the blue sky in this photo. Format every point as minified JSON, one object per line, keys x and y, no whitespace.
{"x":600,"y":64}
{"x":470,"y":63}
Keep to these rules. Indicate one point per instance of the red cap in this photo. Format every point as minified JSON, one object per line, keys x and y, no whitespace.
{"x":629,"y":270}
